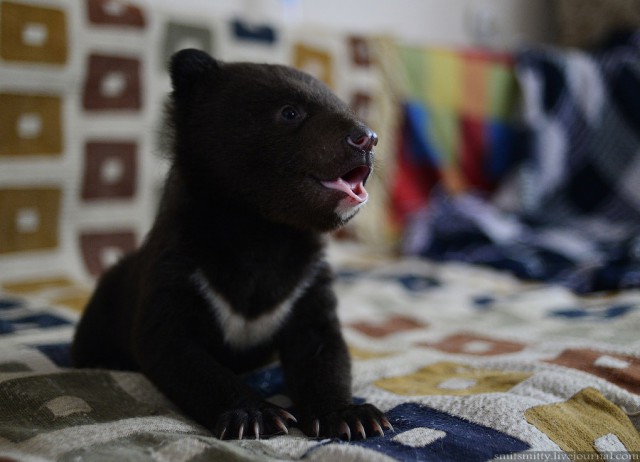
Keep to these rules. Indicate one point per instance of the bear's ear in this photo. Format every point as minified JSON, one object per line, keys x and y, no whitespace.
{"x":189,"y":67}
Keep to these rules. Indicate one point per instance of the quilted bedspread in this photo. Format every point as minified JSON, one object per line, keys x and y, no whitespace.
{"x":468,"y":363}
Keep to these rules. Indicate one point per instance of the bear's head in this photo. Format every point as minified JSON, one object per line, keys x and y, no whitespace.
{"x":270,"y":139}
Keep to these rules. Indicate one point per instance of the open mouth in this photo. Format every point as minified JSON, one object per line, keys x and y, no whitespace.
{"x":351,"y":183}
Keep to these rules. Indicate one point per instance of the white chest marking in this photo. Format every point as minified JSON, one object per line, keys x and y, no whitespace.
{"x":240,"y":332}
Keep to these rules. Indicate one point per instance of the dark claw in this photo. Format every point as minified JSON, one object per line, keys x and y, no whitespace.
{"x":345,"y":431}
{"x":376,"y":426}
{"x":357,"y":421}
{"x":280,"y":424}
{"x":252,"y":422}
{"x":288,"y":415}
{"x":387,"y":424}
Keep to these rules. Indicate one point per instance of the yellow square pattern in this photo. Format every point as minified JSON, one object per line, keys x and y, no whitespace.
{"x":29,"y":219}
{"x":32,"y":34}
{"x":30,"y":124}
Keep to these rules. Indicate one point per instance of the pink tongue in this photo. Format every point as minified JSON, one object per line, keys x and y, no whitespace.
{"x":354,"y":190}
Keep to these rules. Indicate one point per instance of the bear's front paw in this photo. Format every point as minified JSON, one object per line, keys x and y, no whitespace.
{"x":357,"y":421}
{"x":258,"y":421}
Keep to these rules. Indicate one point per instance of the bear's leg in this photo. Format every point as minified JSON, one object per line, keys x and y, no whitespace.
{"x":189,"y":376}
{"x":99,"y":338}
{"x":317,"y":369}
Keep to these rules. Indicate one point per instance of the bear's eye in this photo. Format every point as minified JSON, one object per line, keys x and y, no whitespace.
{"x":290,"y":113}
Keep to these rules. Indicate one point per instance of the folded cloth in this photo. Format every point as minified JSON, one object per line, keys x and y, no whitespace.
{"x":578,"y":220}
{"x":468,"y":228}
{"x":583,"y":112}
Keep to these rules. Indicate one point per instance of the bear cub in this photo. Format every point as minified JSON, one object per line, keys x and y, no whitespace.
{"x":265,"y":160}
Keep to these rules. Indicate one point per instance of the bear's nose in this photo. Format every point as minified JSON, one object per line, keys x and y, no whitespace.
{"x":362,"y":138}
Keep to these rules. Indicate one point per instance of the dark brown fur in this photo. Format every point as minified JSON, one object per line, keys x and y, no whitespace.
{"x":244,"y":208}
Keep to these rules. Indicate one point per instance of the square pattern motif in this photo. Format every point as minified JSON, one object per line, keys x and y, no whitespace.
{"x":115,"y":13}
{"x":32,"y":34}
{"x":29,"y":219}
{"x":113,"y":83}
{"x":110,"y":170}
{"x":30,"y":124}
{"x":100,"y":250}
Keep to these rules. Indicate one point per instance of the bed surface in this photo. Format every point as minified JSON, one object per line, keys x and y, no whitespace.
{"x":468,"y":363}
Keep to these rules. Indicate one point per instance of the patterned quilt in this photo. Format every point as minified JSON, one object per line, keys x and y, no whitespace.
{"x":574,"y":217}
{"x":468,"y":363}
